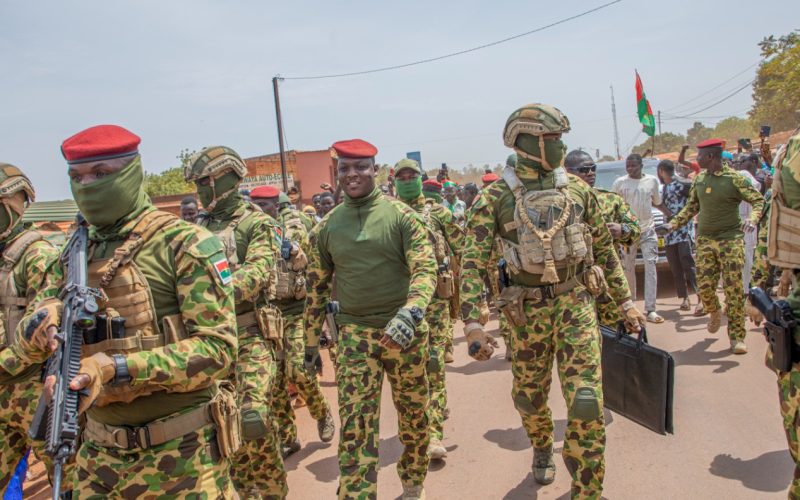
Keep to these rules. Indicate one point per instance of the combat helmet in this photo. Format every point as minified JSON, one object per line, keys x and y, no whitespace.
{"x":536,"y":120}
{"x":13,"y":181}
{"x":213,"y":162}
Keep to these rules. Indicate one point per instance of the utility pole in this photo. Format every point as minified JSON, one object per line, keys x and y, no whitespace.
{"x":616,"y":130}
{"x":659,"y":129}
{"x":284,"y":176}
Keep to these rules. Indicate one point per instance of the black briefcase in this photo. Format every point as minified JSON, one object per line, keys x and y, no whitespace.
{"x":637,"y":379}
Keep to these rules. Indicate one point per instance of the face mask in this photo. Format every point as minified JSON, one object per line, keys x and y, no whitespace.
{"x":528,"y":147}
{"x":222,"y":192}
{"x":408,"y":190}
{"x":109,"y":199}
{"x":8,"y":219}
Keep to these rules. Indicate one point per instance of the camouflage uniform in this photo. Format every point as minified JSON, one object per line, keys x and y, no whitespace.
{"x":26,"y":257}
{"x":560,"y":325}
{"x":293,"y":372}
{"x":252,"y":242}
{"x":761,"y":267}
{"x":365,"y":241}
{"x":615,"y":209}
{"x":720,"y":247}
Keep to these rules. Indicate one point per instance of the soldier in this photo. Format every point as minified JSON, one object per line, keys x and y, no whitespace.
{"x":558,"y":251}
{"x":714,"y":197}
{"x":25,"y":259}
{"x":385,"y":277}
{"x":447,"y":239}
{"x":189,"y":209}
{"x":620,"y":221}
{"x":251,"y":241}
{"x":152,"y":396}
{"x":290,"y":295}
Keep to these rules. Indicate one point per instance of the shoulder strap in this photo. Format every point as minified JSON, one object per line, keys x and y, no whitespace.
{"x":510,"y":176}
{"x":14,"y":252}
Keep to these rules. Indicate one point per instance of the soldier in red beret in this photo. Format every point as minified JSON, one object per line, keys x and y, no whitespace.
{"x":385,"y":277}
{"x":714,"y":198}
{"x":149,"y":390}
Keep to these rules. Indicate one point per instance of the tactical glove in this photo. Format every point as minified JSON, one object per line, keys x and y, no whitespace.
{"x":481,"y":344}
{"x":634,"y":319}
{"x":34,"y":341}
{"x":95,"y":371}
{"x":311,"y":361}
{"x":401,"y":328}
{"x":299,"y":260}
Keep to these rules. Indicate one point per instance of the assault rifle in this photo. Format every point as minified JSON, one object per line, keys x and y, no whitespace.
{"x":778,"y":328}
{"x":61,"y":429}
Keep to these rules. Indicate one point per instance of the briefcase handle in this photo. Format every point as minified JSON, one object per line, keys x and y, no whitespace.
{"x":641,"y":338}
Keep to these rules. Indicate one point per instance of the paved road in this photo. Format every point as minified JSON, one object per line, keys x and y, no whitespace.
{"x":728,"y":440}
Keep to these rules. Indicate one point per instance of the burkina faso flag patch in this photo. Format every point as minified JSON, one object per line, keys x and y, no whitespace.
{"x":223,"y":270}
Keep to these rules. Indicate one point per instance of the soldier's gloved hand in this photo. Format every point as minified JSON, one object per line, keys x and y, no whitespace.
{"x":748,"y":226}
{"x":39,"y":334}
{"x":311,"y":360}
{"x":299,"y":260}
{"x":785,"y":283}
{"x":399,"y":332}
{"x":481,"y":344}
{"x":95,"y":371}
{"x":634,"y":318}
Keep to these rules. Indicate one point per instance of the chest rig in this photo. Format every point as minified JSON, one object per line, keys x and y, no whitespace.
{"x":289,"y":284}
{"x":550,"y":232}
{"x":445,"y":286}
{"x":12,"y":306}
{"x":127,"y":320}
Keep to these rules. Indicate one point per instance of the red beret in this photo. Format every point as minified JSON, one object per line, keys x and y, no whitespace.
{"x":489,"y":178}
{"x":433,"y":183}
{"x":711,"y":143}
{"x":102,"y":142}
{"x":265,"y":192}
{"x":354,"y":148}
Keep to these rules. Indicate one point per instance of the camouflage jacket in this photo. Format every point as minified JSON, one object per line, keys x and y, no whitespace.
{"x":616,"y":210}
{"x":383,"y":260}
{"x":178,"y":265}
{"x":295,"y":230}
{"x":494,"y":208}
{"x":29,"y":276}
{"x":445,"y":222}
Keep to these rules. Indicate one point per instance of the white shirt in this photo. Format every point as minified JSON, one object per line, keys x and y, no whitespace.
{"x":642,"y":195}
{"x":745,"y":209}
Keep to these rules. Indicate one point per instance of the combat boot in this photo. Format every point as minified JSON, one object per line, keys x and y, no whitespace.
{"x":739,"y":347}
{"x":326,"y":428}
{"x":413,"y":492}
{"x":544,"y":469}
{"x":714,"y":321}
{"x":436,"y":450}
{"x":290,"y":448}
{"x":448,"y":356}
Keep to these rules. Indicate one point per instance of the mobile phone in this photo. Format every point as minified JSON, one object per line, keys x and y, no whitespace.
{"x":765,"y":130}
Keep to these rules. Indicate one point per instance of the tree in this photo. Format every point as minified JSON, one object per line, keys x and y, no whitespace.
{"x":665,"y":143}
{"x":171,"y":180}
{"x":733,"y":128}
{"x":776,"y":92}
{"x":698,"y":133}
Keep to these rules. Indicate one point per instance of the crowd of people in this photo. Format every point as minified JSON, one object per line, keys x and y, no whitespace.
{"x":223,"y":311}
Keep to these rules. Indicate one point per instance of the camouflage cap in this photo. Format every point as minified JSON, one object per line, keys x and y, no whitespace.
{"x":534,"y":119}
{"x":12,"y":181}
{"x":407,"y":163}
{"x":212,"y":162}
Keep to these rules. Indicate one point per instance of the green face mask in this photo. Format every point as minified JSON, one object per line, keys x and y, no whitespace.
{"x":554,"y":151}
{"x":408,"y":190}
{"x":108,"y":200}
{"x":6,"y":221}
{"x":222,"y":185}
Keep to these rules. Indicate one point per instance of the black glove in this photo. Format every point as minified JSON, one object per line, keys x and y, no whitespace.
{"x":401,"y":328}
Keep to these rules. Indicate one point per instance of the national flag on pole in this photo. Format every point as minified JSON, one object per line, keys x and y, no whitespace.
{"x":643,"y":107}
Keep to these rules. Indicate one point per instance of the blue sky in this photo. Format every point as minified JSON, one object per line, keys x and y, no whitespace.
{"x":186,"y":74}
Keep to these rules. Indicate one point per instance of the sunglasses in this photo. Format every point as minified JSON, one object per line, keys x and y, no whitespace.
{"x":587,"y":169}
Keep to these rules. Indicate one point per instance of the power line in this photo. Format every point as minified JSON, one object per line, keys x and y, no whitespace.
{"x":453,"y":54}
{"x":689,"y":115}
{"x":712,"y":89}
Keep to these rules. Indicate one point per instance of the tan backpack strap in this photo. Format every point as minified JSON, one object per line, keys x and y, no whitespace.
{"x":14,"y":252}
{"x":510,"y":176}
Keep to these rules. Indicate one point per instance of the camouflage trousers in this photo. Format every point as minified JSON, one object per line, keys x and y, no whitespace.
{"x":725,"y":257}
{"x":18,"y":403}
{"x":565,"y":329}
{"x":186,"y":467}
{"x":257,"y":468}
{"x":291,"y":371}
{"x":761,"y":266}
{"x":608,"y":312}
{"x":361,"y":365}
{"x":789,"y":394}
{"x":441,"y":330}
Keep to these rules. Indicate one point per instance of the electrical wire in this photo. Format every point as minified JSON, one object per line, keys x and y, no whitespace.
{"x":735,"y":92}
{"x":712,"y":89}
{"x":454,"y":54}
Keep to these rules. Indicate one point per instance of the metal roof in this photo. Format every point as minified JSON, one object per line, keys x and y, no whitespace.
{"x":51,"y":211}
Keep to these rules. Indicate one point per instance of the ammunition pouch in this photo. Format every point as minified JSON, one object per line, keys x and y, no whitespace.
{"x":289,"y":285}
{"x":595,"y":281}
{"x":511,"y":301}
{"x":270,"y":323}
{"x":783,"y":246}
{"x":445,"y":285}
{"x":225,"y":414}
{"x":253,"y":426}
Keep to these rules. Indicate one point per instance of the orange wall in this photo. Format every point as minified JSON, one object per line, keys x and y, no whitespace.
{"x":313,"y":168}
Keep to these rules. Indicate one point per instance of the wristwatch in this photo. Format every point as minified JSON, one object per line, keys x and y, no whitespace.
{"x":121,"y":374}
{"x":417,"y":314}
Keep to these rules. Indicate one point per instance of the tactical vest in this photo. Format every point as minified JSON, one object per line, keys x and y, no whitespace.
{"x":12,"y":306}
{"x":783,"y":246}
{"x":289,"y":284}
{"x":126,"y":294}
{"x":550,"y":231}
{"x":445,"y":286}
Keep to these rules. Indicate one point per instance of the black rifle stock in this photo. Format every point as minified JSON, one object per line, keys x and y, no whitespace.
{"x":61,"y":428}
{"x":778,"y":328}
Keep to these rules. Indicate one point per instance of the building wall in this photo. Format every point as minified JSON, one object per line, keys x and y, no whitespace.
{"x":313,"y":168}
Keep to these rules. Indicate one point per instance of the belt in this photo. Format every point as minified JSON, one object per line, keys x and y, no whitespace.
{"x":147,"y":436}
{"x":540,"y":293}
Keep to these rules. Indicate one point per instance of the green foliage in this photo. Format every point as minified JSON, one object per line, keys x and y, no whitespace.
{"x":698,"y":133}
{"x":776,"y":92}
{"x":171,"y":180}
{"x":733,"y":128}
{"x":665,"y":143}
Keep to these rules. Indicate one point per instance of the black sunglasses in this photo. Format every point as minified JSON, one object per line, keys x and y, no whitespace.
{"x":587,"y":169}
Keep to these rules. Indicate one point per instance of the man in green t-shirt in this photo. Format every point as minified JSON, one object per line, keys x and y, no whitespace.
{"x":385,"y":277}
{"x":714,"y":197}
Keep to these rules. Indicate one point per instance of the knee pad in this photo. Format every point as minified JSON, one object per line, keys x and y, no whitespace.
{"x":433,"y":365}
{"x":523,"y":404}
{"x":585,"y":405}
{"x":253,"y":426}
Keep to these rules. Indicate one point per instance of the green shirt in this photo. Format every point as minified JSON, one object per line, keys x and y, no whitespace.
{"x":715,"y":199}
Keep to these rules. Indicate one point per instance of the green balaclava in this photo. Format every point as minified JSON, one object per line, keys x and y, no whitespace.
{"x":108,"y":200}
{"x":8,"y":219}
{"x":408,"y":190}
{"x":554,"y":151}
{"x":223,"y":184}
